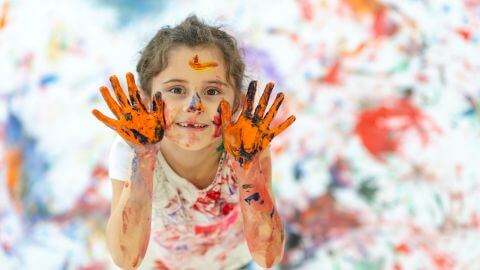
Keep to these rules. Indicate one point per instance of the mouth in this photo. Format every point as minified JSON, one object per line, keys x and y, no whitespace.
{"x":196,"y":126}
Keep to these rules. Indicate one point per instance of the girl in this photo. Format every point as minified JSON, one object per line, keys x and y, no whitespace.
{"x":198,"y":193}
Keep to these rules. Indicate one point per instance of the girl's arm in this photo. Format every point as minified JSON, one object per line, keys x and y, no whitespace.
{"x":128,"y":228}
{"x":263,"y":227}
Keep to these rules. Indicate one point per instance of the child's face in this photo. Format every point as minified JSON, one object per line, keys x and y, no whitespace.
{"x":192,"y":85}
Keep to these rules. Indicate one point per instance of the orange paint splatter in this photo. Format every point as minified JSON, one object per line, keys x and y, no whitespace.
{"x":4,"y":14}
{"x":381,"y":129}
{"x":13,"y":166}
{"x":364,"y":7}
{"x":251,"y":133}
{"x":196,"y":65}
{"x":135,"y":123}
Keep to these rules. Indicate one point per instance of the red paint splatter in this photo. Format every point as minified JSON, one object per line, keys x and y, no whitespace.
{"x":402,"y":248}
{"x":100,"y":172}
{"x":227,"y":208}
{"x":381,"y":129}
{"x":382,"y":24}
{"x":217,"y":126}
{"x":159,"y":265}
{"x":213,"y":194}
{"x":306,"y":9}
{"x":331,"y":77}
{"x":464,"y":33}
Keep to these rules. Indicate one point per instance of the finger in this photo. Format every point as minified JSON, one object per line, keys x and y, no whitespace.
{"x":111,"y":103}
{"x":225,"y":114}
{"x":111,"y":123}
{"x":280,"y":128}
{"x":158,"y":105}
{"x":134,"y":93}
{"x":248,"y":106}
{"x":262,"y":104}
{"x":274,"y":109}
{"x":121,"y":97}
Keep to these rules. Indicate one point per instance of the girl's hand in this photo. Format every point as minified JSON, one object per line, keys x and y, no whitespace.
{"x":251,"y":134}
{"x":134,"y":123}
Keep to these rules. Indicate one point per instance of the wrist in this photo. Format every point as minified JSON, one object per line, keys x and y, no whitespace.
{"x":146,"y":151}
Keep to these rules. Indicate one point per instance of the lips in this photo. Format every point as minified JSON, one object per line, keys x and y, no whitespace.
{"x":188,"y":125}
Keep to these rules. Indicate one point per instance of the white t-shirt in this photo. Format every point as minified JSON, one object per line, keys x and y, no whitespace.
{"x":191,"y":228}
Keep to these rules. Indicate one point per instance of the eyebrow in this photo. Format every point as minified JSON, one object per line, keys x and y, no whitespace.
{"x":175,"y":80}
{"x":184,"y":81}
{"x":217,"y":82}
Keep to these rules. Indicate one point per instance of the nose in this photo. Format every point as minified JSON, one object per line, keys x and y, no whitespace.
{"x":196,"y":105}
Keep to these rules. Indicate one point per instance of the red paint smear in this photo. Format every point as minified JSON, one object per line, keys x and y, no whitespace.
{"x":306,"y":9}
{"x":223,"y":225}
{"x":217,"y":124}
{"x":100,"y":172}
{"x":195,"y":64}
{"x":159,"y":265}
{"x":402,"y":248}
{"x":379,"y":134}
{"x":382,"y":25}
{"x":213,"y":194}
{"x":465,"y":34}
{"x":331,"y":77}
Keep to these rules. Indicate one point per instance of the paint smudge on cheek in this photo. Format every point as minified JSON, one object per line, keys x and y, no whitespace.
{"x":196,"y":65}
{"x":217,"y":126}
{"x":196,"y":105}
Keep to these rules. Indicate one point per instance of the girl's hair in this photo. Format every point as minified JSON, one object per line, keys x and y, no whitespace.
{"x":191,"y":32}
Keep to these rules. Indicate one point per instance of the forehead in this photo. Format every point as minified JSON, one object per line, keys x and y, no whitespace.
{"x":182,"y":59}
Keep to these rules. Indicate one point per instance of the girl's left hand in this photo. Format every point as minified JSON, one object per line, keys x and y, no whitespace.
{"x":251,"y":133}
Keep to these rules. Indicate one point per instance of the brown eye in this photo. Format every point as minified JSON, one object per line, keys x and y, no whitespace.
{"x":175,"y":90}
{"x":213,"y":91}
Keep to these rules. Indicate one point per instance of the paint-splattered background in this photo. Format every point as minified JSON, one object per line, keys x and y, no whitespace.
{"x":380,"y":170}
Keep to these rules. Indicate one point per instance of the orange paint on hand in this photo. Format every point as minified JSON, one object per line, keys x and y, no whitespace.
{"x":195,"y":64}
{"x":134,"y":122}
{"x":251,"y":133}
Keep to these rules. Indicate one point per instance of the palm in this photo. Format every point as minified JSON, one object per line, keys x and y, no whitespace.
{"x":134,"y":122}
{"x":251,"y":133}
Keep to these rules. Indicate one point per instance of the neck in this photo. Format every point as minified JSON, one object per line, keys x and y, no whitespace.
{"x":196,"y":166}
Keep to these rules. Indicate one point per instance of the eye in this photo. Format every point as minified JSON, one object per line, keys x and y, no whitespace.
{"x":213,"y":91}
{"x":175,"y":90}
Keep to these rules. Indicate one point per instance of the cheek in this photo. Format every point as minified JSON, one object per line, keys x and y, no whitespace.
{"x":169,"y":113}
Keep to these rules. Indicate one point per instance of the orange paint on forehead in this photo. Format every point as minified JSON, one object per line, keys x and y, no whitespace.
{"x":196,"y":65}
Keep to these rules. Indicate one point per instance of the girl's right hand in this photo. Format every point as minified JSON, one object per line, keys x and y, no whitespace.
{"x":138,"y":126}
